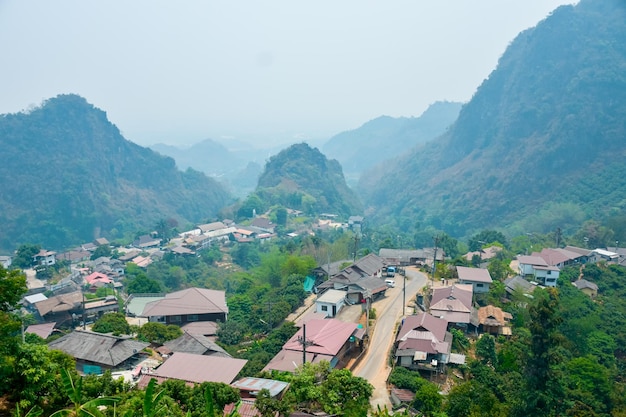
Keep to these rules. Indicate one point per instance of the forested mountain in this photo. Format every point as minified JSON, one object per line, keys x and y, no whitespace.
{"x":387,"y":137}
{"x":301,"y":177}
{"x":68,"y":176}
{"x":540,"y":145}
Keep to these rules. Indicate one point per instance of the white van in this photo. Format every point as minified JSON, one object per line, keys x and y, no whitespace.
{"x":390,"y":283}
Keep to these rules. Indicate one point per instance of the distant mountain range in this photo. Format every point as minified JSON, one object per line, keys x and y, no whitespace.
{"x":69,"y":176}
{"x":387,"y":137}
{"x":234,"y":164}
{"x":540,"y":145}
{"x":302,"y":178}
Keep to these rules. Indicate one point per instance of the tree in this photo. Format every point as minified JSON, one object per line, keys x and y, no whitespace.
{"x":112,"y":323}
{"x":459,"y":341}
{"x":142,"y":284}
{"x":449,"y":245}
{"x":102,"y":250}
{"x":500,"y":269}
{"x":486,"y":350}
{"x":12,"y":288}
{"x":543,"y":377}
{"x":486,"y":237}
{"x":24,"y":255}
{"x":281,"y":216}
{"x":428,"y":400}
{"x":268,"y":406}
{"x":34,"y":374}
{"x":74,"y":392}
{"x":160,"y":333}
{"x":345,"y":393}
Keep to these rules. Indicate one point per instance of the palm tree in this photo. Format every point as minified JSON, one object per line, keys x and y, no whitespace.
{"x":74,"y":392}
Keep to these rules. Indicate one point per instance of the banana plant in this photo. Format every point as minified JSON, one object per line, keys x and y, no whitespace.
{"x":74,"y":391}
{"x":35,"y":411}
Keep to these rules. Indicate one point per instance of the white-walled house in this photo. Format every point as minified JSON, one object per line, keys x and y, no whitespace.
{"x":330,"y":302}
{"x":478,"y":278}
{"x":538,"y":268}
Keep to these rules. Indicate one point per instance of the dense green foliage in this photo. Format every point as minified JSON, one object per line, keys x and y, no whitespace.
{"x":386,"y":137}
{"x":563,"y":358}
{"x":539,"y":145}
{"x":112,"y":323}
{"x":160,"y":333}
{"x":67,"y":172}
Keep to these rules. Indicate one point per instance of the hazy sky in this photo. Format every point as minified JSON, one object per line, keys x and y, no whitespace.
{"x":180,"y":72}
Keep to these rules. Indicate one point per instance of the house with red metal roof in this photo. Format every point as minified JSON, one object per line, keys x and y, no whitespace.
{"x":423,"y":342}
{"x":195,"y":369}
{"x":454,"y":304}
{"x":327,"y":340}
{"x":98,"y":279}
{"x":478,"y":278}
{"x":189,"y":305}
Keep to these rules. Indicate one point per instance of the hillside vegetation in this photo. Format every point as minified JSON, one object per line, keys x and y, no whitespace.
{"x":540,"y":145}
{"x":68,"y":176}
{"x":302,"y":178}
{"x":388,"y":137}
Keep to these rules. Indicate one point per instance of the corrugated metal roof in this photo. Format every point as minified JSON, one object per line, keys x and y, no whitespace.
{"x":98,"y":348}
{"x":459,"y":292}
{"x":199,"y":368}
{"x":42,"y":330}
{"x":189,"y":301}
{"x":254,"y":385}
{"x":473,"y":274}
{"x":290,"y":360}
{"x":197,"y":344}
{"x":331,"y":296}
{"x":327,"y":336}
{"x":435,"y":326}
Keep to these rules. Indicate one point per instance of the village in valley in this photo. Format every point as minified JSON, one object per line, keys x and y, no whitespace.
{"x":336,"y":324}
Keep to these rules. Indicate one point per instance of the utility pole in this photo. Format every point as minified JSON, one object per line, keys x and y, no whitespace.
{"x":436,"y":239}
{"x":403,"y":293}
{"x":558,"y":236}
{"x":82,"y":291}
{"x":356,"y":245}
{"x":304,"y":342}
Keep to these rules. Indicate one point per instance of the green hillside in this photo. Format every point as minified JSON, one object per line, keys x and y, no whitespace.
{"x":541,"y":143}
{"x":388,"y":137}
{"x":301,"y":177}
{"x":68,"y":176}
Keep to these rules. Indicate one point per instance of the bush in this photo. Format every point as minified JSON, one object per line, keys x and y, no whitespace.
{"x":112,"y":323}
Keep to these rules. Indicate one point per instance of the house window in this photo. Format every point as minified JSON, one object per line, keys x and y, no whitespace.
{"x":324,"y":308}
{"x":192,"y":317}
{"x":479,"y":285}
{"x":175,"y":319}
{"x":549,"y":272}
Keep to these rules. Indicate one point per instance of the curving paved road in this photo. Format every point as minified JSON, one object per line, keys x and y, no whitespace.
{"x":375,"y":365}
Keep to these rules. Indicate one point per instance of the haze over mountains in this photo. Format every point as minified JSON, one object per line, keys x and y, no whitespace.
{"x":540,"y":145}
{"x":69,"y":176}
{"x":387,"y":137}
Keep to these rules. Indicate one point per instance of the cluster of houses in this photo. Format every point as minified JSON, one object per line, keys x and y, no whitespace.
{"x":424,"y":341}
{"x":543,"y":268}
